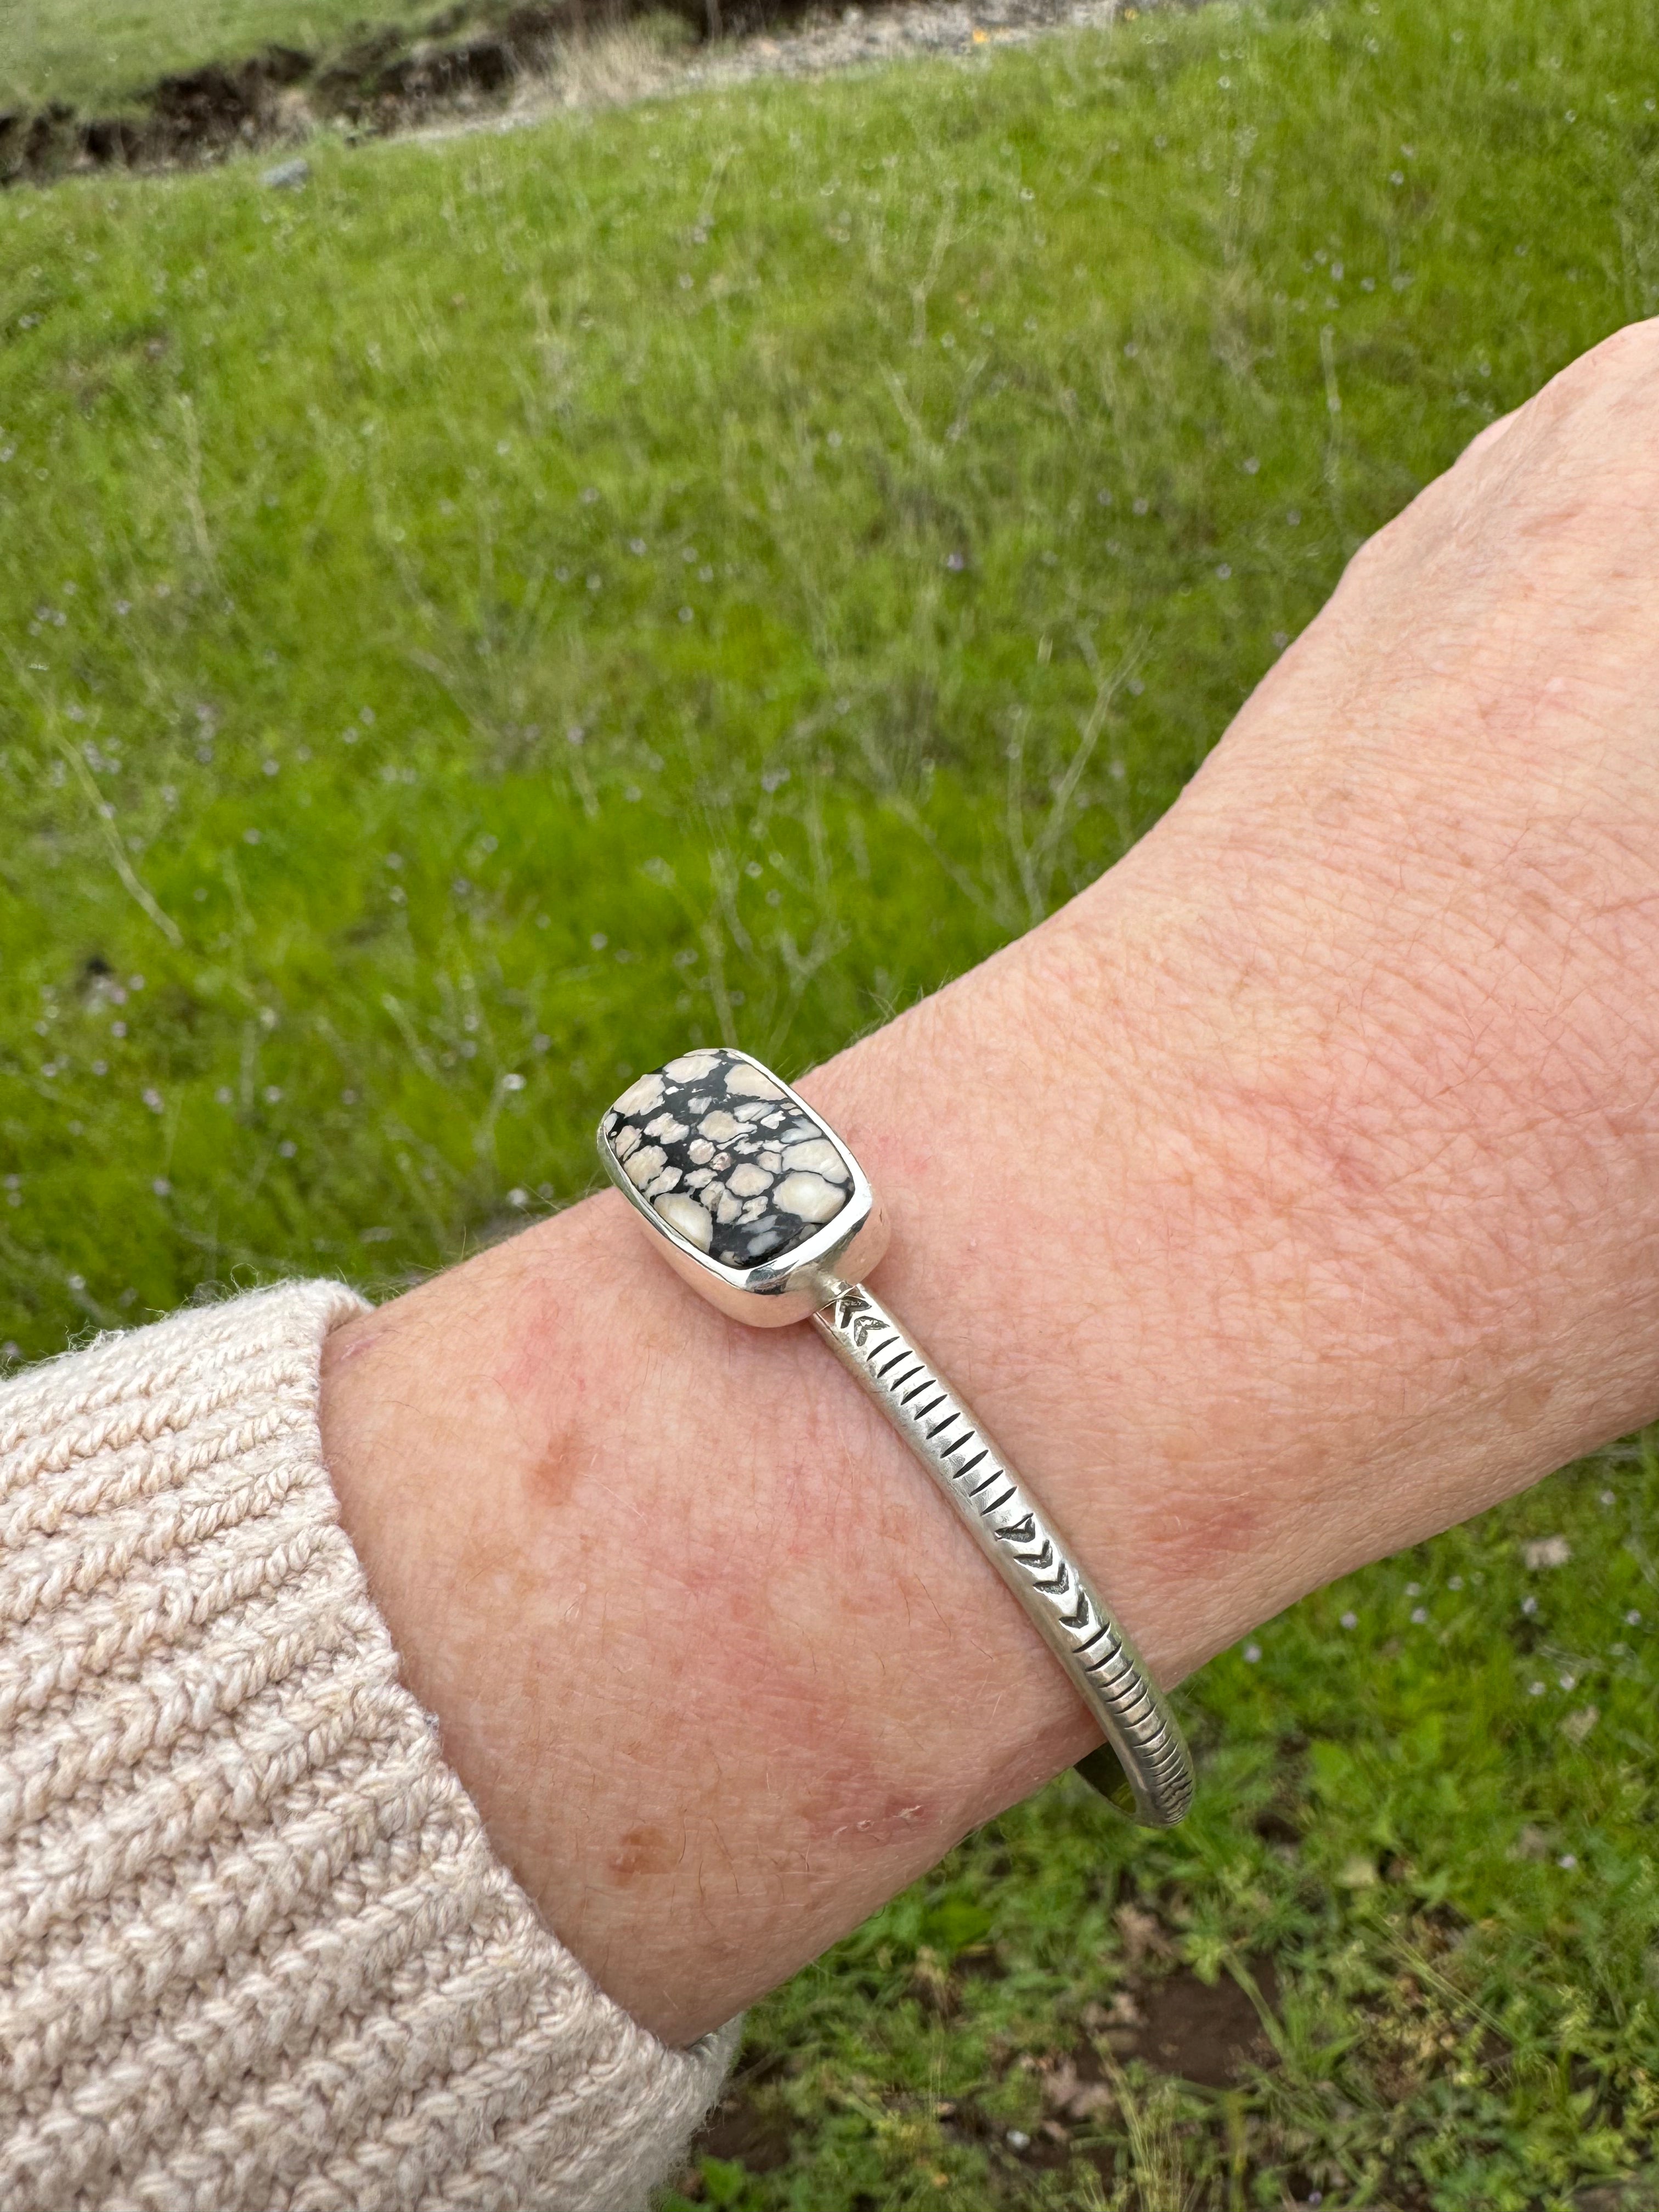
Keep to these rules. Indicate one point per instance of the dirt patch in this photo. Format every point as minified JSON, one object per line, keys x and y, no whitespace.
{"x":749,"y":2127}
{"x":385,"y":82}
{"x":197,"y":116}
{"x":1208,"y":2035}
{"x":747,"y":2131}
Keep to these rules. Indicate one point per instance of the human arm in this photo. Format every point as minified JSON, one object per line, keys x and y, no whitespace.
{"x":1292,"y":1195}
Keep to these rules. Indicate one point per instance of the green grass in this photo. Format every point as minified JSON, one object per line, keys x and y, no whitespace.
{"x":521,"y":604}
{"x":95,"y":54}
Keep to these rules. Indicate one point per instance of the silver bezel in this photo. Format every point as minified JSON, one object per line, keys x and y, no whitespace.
{"x":774,"y":1293}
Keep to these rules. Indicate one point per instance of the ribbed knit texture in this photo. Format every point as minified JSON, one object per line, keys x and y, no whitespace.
{"x":255,"y":1951}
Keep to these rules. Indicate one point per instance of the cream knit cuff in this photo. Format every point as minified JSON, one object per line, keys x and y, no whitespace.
{"x":255,"y":1951}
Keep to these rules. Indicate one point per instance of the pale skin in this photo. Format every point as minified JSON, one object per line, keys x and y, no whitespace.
{"x":1327,"y":1215}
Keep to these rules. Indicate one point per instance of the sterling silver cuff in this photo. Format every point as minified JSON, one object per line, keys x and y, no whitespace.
{"x":759,"y":1205}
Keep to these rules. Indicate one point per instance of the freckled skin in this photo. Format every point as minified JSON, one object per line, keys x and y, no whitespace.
{"x":642,"y":1851}
{"x":1360,"y":1049}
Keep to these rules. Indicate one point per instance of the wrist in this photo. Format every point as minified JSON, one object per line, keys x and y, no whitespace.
{"x":690,"y":1619}
{"x":718,"y":1665}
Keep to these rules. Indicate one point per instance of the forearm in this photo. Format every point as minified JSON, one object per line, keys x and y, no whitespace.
{"x":1290,"y":1196}
{"x":718,"y":1664}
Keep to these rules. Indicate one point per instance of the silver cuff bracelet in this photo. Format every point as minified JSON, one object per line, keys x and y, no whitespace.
{"x":762,"y":1209}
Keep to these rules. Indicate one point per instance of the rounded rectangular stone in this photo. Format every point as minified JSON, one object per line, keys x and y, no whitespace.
{"x":727,"y":1159}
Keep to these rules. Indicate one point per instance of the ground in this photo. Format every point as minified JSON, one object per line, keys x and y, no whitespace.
{"x":517,"y":605}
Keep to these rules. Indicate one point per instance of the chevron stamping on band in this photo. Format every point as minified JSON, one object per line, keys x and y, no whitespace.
{"x":987,"y":1491}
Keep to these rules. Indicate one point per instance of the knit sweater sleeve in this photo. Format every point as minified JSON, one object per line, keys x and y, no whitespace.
{"x":255,"y":1951}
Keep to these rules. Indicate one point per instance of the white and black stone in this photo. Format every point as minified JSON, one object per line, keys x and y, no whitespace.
{"x":728,"y":1160}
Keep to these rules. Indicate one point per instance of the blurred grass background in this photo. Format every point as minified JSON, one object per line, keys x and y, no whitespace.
{"x":524,"y":603}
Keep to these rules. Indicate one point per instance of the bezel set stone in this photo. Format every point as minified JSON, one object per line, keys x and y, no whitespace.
{"x":760,"y":1205}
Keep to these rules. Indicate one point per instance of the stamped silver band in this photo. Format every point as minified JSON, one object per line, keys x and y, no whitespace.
{"x":762,"y":1208}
